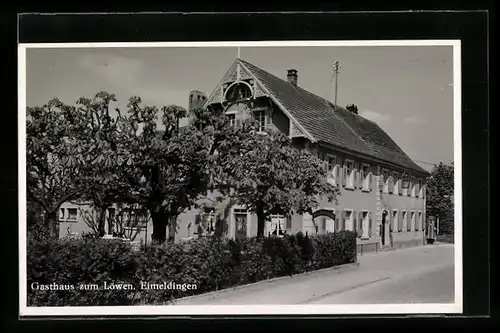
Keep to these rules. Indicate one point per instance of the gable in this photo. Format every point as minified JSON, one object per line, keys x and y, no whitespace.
{"x":235,"y":72}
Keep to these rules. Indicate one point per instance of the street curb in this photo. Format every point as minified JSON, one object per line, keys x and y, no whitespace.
{"x":214,"y":294}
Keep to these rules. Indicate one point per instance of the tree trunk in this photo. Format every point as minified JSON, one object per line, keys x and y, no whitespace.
{"x":172,"y":229}
{"x":261,"y":221}
{"x":51,"y":223}
{"x":160,"y":221}
{"x":101,"y":222}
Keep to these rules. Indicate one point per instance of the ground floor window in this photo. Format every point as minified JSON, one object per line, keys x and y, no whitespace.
{"x":402,"y":220}
{"x":277,"y":226}
{"x":412,"y":224}
{"x":205,"y":224}
{"x":395,"y":220}
{"x":347,"y":221}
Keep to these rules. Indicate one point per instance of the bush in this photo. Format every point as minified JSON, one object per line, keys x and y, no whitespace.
{"x":207,"y":263}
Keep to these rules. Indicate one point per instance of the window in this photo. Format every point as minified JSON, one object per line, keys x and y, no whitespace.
{"x":135,"y":218}
{"x":405,"y":185}
{"x":205,"y":224}
{"x":232,"y":118}
{"x":288,"y":222}
{"x":402,"y":220}
{"x":333,"y":170}
{"x":238,"y":91}
{"x":365,"y":177}
{"x":365,"y":224}
{"x":395,"y":221}
{"x":413,"y":187}
{"x":277,"y":225}
{"x":347,"y":221}
{"x":349,"y":174}
{"x":385,"y":175}
{"x":418,"y":191}
{"x":72,"y":213}
{"x":260,"y":117}
{"x":412,"y":225}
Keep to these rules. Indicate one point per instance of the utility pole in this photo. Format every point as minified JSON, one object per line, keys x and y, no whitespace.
{"x":336,"y":67}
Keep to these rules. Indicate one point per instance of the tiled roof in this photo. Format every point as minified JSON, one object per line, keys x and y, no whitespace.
{"x":335,"y":126}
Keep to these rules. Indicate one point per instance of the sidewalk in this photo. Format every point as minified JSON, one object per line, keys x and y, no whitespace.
{"x":301,"y":288}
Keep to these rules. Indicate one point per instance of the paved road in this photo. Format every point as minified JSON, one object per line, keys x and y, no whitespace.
{"x":414,"y":275}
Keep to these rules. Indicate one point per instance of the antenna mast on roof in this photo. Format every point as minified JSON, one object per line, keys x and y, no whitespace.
{"x":336,"y":67}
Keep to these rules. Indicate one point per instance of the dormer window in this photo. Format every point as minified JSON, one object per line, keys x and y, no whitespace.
{"x":238,"y":91}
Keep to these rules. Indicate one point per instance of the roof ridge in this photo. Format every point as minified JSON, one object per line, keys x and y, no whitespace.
{"x":372,"y":139}
{"x":305,"y":90}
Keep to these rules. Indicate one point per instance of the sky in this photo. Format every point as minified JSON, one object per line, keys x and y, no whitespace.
{"x":407,"y":90}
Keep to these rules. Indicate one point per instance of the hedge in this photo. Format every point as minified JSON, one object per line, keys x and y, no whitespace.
{"x":206,"y":263}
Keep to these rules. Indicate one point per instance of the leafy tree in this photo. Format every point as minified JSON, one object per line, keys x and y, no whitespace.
{"x":352,"y":108}
{"x":439,"y":194}
{"x":107,"y":161}
{"x":270,"y":176}
{"x":52,"y":161}
{"x":173,"y":166}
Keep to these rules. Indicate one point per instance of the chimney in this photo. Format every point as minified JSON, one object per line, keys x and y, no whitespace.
{"x":196,"y":101}
{"x":292,"y":76}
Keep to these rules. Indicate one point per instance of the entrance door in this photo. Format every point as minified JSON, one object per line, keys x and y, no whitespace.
{"x":383,"y":226}
{"x":240,"y":218}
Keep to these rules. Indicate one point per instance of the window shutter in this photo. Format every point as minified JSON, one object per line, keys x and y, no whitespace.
{"x":370,"y":181}
{"x":361,"y":177}
{"x":355,"y":225}
{"x":238,"y":123}
{"x":354,"y":222}
{"x":342,"y":224}
{"x":354,"y":172}
{"x":288,"y":222}
{"x":370,"y":226}
{"x":360,"y":222}
{"x":337,"y":174}
{"x":400,"y":185}
{"x":344,"y":175}
{"x":417,"y":189}
{"x":391,"y":183}
{"x":337,"y":222}
{"x":408,"y":193}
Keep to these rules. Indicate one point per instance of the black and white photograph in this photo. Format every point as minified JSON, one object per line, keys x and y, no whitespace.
{"x":307,"y":177}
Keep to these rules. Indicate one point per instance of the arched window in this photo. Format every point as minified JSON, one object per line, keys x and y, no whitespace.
{"x":238,"y":91}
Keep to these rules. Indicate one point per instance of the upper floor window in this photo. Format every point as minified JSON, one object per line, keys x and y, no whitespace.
{"x":232,"y":118}
{"x":349,"y":174}
{"x":68,"y":214}
{"x":385,"y":175}
{"x":397,"y":183}
{"x":238,"y":91}
{"x":72,"y":213}
{"x":260,"y":117}
{"x":365,"y":176}
{"x":333,"y":170}
{"x":413,"y":187}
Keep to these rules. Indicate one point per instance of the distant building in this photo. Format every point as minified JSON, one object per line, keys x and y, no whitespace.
{"x":382,"y":189}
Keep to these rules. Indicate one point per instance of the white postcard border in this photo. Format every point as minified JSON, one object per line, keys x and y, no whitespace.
{"x":430,"y":308}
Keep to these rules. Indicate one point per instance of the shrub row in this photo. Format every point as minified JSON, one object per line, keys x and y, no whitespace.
{"x":206,"y":263}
